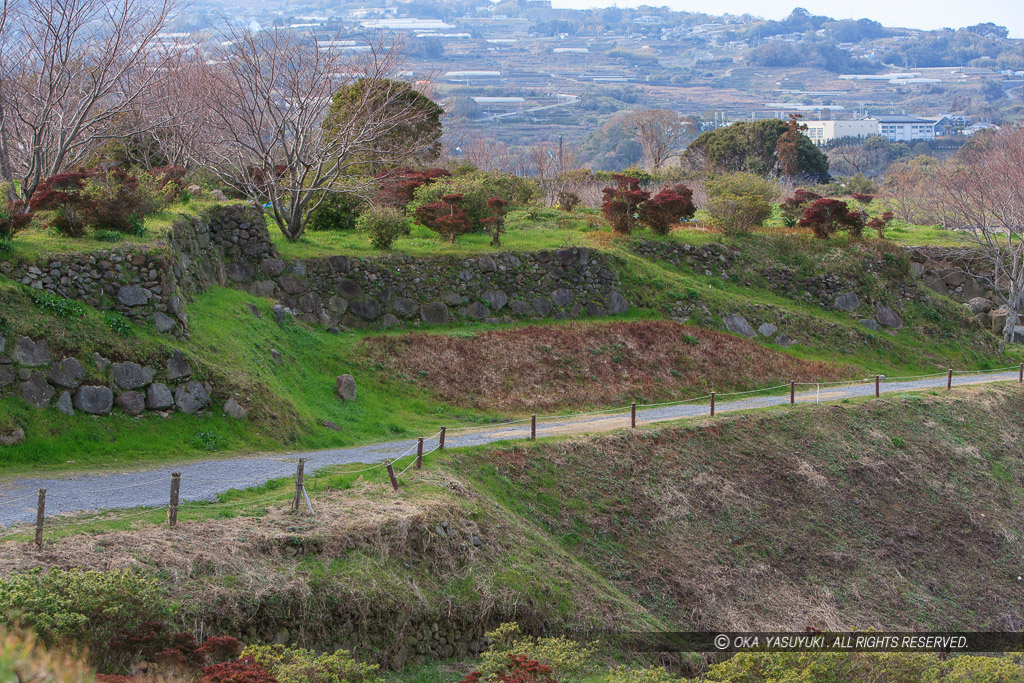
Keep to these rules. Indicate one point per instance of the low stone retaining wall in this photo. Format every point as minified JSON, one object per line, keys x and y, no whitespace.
{"x":399,"y":290}
{"x":98,"y":386}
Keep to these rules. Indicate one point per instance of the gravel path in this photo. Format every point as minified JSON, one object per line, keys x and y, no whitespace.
{"x":203,"y":480}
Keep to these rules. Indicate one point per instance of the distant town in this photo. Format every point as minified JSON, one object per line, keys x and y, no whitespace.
{"x":514,"y":71}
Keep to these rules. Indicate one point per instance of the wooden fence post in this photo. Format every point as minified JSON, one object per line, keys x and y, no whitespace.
{"x":533,"y":428}
{"x":40,"y":516}
{"x":949,"y":380}
{"x":391,"y":473}
{"x":298,"y":484}
{"x":1020,"y":377}
{"x":792,"y":392}
{"x":440,"y":445}
{"x":419,"y":454}
{"x":632,"y":416}
{"x":172,"y":508}
{"x":712,"y":404}
{"x":878,"y":378}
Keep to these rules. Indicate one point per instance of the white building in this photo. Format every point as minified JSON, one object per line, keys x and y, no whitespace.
{"x":824,"y":132}
{"x":903,"y":128}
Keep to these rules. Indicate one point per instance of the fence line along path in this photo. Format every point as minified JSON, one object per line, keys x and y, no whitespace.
{"x":202,"y":480}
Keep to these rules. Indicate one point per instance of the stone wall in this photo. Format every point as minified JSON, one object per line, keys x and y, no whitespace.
{"x":150,"y":286}
{"x":706,"y":259}
{"x":136,"y":283}
{"x":400,"y":290}
{"x":96,"y":386}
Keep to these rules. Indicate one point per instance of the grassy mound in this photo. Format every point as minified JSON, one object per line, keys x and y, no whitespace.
{"x":579,"y":365}
{"x":899,"y":513}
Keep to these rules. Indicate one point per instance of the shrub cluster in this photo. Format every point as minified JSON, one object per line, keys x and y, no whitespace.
{"x":101,"y":611}
{"x":626,"y":205}
{"x":336,"y":211}
{"x":475,"y":190}
{"x":739,"y":202}
{"x":104,"y":199}
{"x":568,"y":659}
{"x":383,"y":224}
{"x":295,"y":665}
{"x":793,"y":207}
{"x":825,"y":217}
{"x":398,"y":185}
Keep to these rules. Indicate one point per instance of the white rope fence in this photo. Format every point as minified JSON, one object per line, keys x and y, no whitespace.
{"x":418,"y":451}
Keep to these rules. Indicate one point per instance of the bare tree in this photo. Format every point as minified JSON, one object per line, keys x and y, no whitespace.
{"x":270,"y":92}
{"x":492,"y":156}
{"x":69,"y":71}
{"x":6,"y":65}
{"x":661,"y":134}
{"x":984,"y":197}
{"x":174,"y":111}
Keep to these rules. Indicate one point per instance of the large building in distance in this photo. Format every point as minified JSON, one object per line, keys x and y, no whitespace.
{"x":895,"y":127}
{"x":824,"y":132}
{"x":903,"y":128}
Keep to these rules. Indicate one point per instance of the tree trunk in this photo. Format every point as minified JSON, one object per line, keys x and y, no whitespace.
{"x":1013,"y":306}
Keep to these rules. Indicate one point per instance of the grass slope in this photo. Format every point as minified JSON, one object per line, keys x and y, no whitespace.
{"x":902,"y":513}
{"x":410,"y":383}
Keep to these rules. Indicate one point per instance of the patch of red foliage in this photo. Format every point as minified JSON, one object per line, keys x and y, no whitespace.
{"x":244,"y":670}
{"x":520,"y":669}
{"x":577,"y":365}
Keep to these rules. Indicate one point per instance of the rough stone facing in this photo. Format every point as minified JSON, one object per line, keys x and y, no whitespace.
{"x":131,"y":402}
{"x":346,"y":386}
{"x":131,"y":375}
{"x":67,"y":374}
{"x":191,"y":397}
{"x":737,"y":324}
{"x":94,"y":400}
{"x":31,"y":353}
{"x":159,"y":397}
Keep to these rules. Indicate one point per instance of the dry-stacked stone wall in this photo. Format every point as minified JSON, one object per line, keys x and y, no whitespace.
{"x":400,"y":290}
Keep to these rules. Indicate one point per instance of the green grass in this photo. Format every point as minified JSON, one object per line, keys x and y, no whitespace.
{"x":527,"y":230}
{"x":38,"y":241}
{"x":230,"y":347}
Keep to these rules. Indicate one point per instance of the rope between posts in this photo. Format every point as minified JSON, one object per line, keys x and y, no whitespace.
{"x":13,"y":501}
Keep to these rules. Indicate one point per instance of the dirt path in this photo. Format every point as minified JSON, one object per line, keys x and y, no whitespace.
{"x":204,"y":479}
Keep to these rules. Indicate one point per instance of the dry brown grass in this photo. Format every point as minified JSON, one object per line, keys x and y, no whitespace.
{"x":579,"y":365}
{"x":818,"y":518}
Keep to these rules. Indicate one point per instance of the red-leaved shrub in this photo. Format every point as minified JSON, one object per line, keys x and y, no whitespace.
{"x":880,"y":223}
{"x":665,"y":209}
{"x":398,"y":185}
{"x":520,"y":669}
{"x":445,"y":217}
{"x":826,"y":217}
{"x":496,"y":221}
{"x":793,"y":207}
{"x":107,"y":199}
{"x":244,"y":670}
{"x":621,"y":203}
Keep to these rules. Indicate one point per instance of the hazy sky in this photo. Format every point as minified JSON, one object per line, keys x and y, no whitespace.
{"x":914,"y":14}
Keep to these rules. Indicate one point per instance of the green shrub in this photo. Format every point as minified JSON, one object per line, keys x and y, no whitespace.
{"x":568,"y":659}
{"x":118,"y":324}
{"x":337,"y":211}
{"x":738,"y":202}
{"x":476,"y":189}
{"x":652,"y":675}
{"x":295,"y":665}
{"x":57,"y":305}
{"x":797,"y":667}
{"x":90,"y":609}
{"x":107,"y":236}
{"x":383,"y":225}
